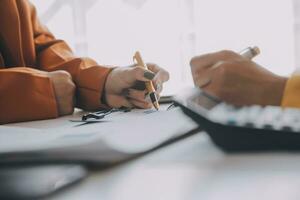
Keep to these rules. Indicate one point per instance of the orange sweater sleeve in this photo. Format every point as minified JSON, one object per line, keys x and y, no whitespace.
{"x":291,"y":96}
{"x":33,"y":87}
{"x":54,"y":54}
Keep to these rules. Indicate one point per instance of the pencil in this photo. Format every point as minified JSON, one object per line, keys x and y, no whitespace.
{"x":149,"y":85}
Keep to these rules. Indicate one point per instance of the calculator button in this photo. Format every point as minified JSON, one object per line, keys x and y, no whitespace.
{"x":289,"y":120}
{"x":287,"y":128}
{"x":269,"y":117}
{"x":291,"y":115}
{"x":218,"y":113}
{"x":296,"y":128}
{"x":251,"y":117}
{"x":241,"y":116}
{"x":268,"y":126}
{"x":232,"y":116}
{"x":222,"y":113}
{"x":250,"y":124}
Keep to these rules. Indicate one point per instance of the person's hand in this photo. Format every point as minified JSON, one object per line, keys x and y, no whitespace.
{"x":64,"y":91}
{"x":237,"y":80}
{"x":121,"y":88}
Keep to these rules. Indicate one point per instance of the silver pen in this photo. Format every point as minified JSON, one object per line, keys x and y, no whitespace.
{"x":250,"y":52}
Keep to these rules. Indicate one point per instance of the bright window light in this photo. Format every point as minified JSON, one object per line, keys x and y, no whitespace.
{"x":170,"y":32}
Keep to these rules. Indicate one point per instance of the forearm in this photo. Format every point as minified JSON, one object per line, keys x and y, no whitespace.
{"x":54,"y":54}
{"x":88,"y":77}
{"x":26,"y":94}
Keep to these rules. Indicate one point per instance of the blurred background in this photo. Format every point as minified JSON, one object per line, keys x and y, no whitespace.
{"x":170,"y":32}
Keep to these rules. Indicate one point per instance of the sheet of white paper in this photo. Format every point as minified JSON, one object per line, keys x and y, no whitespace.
{"x":17,"y":139}
{"x":145,"y":131}
{"x":131,"y":132}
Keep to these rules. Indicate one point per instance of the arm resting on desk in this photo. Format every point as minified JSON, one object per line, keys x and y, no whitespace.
{"x":26,"y":94}
{"x":54,"y":54}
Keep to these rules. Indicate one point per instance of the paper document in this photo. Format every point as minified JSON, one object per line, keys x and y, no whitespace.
{"x":118,"y":137}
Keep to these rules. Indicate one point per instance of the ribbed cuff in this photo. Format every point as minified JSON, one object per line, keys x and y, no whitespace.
{"x":291,"y":96}
{"x":90,"y":87}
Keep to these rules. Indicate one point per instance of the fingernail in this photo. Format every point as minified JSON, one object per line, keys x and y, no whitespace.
{"x":149,"y":75}
{"x":125,"y":92}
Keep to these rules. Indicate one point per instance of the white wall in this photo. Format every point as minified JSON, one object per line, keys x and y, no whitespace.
{"x":169,"y":32}
{"x":235,"y":24}
{"x":297,"y":32}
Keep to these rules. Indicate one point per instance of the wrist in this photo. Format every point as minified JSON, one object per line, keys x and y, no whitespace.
{"x":64,"y":90}
{"x":274,"y":93}
{"x":107,"y":88}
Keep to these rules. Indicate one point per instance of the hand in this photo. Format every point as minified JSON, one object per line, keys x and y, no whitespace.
{"x":120,"y":90}
{"x":237,"y":80}
{"x":64,"y":91}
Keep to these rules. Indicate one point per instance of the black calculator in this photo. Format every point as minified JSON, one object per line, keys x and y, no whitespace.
{"x":246,"y":128}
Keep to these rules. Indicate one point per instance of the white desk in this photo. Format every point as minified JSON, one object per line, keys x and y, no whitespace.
{"x":193,"y":169}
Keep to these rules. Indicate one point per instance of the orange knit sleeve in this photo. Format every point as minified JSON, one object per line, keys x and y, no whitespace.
{"x":54,"y":54}
{"x":26,"y":94}
{"x":291,"y":96}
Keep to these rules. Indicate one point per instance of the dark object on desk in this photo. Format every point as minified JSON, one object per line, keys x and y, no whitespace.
{"x":101,"y":114}
{"x":95,"y":117}
{"x":248,"y":128}
{"x":166,"y":99}
{"x":139,"y":85}
{"x":31,"y":182}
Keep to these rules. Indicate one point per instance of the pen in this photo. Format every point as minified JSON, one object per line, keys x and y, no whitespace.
{"x":250,"y":52}
{"x":149,"y":85}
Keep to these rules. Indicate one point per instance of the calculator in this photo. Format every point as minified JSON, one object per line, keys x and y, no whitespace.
{"x":242,"y":128}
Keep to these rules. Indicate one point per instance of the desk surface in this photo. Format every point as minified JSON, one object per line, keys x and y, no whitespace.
{"x":191,"y":169}
{"x":194,"y":169}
